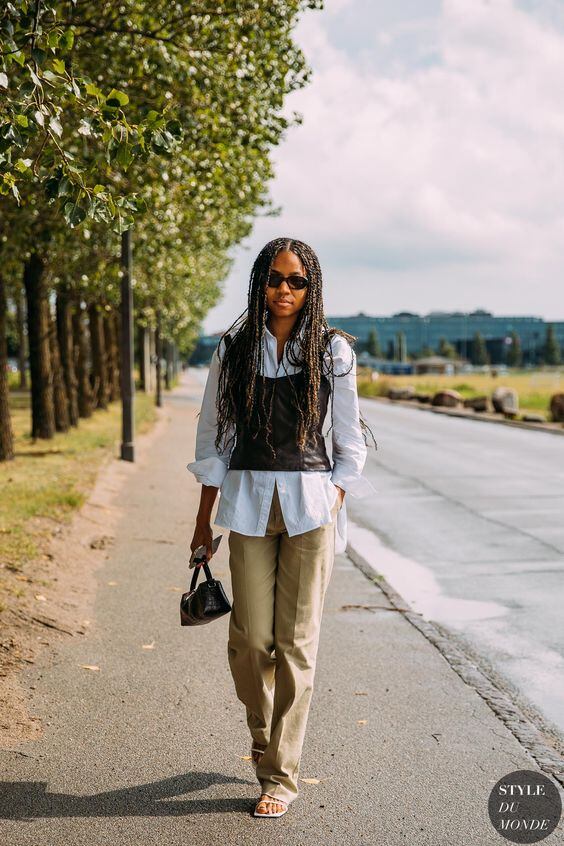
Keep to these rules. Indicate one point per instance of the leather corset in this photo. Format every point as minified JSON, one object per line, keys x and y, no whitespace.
{"x":256,"y":454}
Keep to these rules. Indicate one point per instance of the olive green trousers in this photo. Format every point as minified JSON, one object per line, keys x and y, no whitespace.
{"x":279,"y":586}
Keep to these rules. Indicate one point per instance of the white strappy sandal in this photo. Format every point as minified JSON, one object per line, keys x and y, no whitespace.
{"x":265,"y":801}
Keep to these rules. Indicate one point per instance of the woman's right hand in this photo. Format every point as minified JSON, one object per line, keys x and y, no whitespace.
{"x":203,"y":536}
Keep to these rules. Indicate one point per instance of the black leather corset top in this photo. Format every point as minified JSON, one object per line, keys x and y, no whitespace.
{"x":255,"y":453}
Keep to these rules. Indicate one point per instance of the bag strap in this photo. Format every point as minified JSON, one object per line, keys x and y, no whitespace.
{"x":197,"y":569}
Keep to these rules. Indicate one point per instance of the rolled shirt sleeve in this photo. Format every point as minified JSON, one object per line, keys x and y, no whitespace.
{"x":210,"y":466}
{"x":349,"y":448}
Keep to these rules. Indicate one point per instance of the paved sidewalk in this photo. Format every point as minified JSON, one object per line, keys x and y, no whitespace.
{"x":148,"y":750}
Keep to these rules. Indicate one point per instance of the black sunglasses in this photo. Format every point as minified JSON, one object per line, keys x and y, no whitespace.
{"x":295,"y":281}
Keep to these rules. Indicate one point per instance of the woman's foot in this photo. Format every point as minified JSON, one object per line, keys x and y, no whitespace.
{"x":268,"y":806}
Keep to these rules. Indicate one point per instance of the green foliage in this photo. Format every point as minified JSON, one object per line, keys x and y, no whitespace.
{"x":551,"y":350}
{"x":373,"y":347}
{"x":160,"y":115}
{"x":479,"y":351}
{"x":90,"y":93}
{"x":57,"y":126}
{"x":446,"y":349}
{"x":401,"y":346}
{"x":514,"y":351}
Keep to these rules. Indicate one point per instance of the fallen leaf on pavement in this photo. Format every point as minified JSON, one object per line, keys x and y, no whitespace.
{"x":245,"y":757}
{"x":89,"y":667}
{"x":314,"y":780}
{"x":40,"y":597}
{"x":361,"y":722}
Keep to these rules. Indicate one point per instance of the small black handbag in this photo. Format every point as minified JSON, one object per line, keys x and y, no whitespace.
{"x":204,"y":603}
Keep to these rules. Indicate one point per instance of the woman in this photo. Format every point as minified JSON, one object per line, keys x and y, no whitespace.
{"x":273,"y":376}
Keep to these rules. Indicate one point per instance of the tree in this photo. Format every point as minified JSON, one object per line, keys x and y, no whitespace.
{"x":551,"y":349}
{"x":152,"y":114}
{"x":401,"y":346}
{"x":21,"y":342}
{"x":446,"y":349}
{"x":66,"y":350}
{"x":57,"y":125}
{"x":514,"y":351}
{"x":479,"y":354}
{"x":6,"y":435}
{"x":373,"y":345}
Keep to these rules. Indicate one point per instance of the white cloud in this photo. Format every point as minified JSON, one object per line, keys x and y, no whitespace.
{"x":428,"y":185}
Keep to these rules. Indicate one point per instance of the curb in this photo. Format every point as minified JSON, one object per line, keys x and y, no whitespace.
{"x":551,"y":428}
{"x":518,"y":724}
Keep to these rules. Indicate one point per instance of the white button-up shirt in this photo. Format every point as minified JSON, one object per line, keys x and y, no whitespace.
{"x":306,"y":497}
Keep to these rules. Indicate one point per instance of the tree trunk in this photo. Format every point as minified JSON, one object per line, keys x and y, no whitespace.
{"x":60,"y":399}
{"x":66,"y":350}
{"x":167,"y":351}
{"x":112,"y":355}
{"x":176,"y":362}
{"x":81,"y":362}
{"x":117,"y":329}
{"x":141,"y":357}
{"x":6,"y":436}
{"x":158,"y":354}
{"x":152,"y":359}
{"x":99,"y":363}
{"x":22,"y":357}
{"x":116,"y":335}
{"x":42,"y":408}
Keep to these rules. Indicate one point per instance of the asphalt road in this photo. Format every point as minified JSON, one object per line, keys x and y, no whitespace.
{"x":470,"y":526}
{"x":150,"y":748}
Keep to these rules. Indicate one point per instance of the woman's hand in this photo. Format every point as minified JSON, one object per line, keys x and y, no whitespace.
{"x":203,"y":536}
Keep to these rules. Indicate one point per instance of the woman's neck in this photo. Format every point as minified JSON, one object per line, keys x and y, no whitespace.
{"x":281,"y":326}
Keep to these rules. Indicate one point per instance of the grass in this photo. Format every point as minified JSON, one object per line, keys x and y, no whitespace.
{"x":534,"y":388}
{"x":52,"y":478}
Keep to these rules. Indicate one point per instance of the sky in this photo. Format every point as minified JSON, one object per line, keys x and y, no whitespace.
{"x":428,"y":172}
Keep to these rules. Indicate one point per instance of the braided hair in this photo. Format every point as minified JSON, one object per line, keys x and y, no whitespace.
{"x":239,"y":394}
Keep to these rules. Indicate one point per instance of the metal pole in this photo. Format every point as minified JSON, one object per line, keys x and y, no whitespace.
{"x":127,"y":385}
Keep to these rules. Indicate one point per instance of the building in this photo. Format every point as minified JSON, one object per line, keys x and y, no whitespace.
{"x":424,"y":332}
{"x":203,"y":350}
{"x":437,"y":364}
{"x":383,"y":365}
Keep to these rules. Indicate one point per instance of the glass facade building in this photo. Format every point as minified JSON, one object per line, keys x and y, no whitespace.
{"x":456,"y":327}
{"x":426,"y":331}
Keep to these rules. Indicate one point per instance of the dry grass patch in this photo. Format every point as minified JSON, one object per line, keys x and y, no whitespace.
{"x":50,"y":479}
